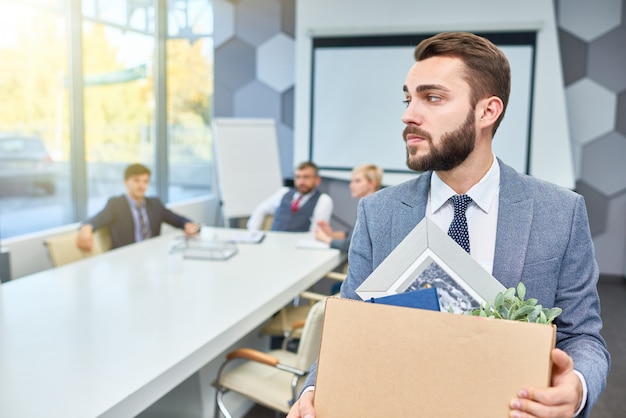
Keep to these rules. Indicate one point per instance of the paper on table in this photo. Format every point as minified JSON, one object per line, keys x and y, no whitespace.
{"x":247,"y":237}
{"x":312,"y":243}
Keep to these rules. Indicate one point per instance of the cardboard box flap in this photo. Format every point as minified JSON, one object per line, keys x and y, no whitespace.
{"x":388,"y":361}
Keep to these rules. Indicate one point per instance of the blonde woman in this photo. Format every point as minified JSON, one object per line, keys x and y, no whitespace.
{"x":365,"y":180}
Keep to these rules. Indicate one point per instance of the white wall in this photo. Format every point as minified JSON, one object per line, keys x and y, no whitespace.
{"x":551,"y":156}
{"x":28,"y":253}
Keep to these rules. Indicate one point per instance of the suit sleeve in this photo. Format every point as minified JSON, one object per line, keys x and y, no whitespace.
{"x":578,"y":327}
{"x":172,"y":218}
{"x":359,"y":267}
{"x":105,"y":217}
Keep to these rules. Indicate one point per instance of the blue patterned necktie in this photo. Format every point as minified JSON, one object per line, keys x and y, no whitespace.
{"x":144,"y":228}
{"x":458,"y":227}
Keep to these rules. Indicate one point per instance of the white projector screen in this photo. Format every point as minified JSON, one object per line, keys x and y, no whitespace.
{"x":357,"y":96}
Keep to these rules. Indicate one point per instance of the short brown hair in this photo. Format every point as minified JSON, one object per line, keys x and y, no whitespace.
{"x":488,"y":70}
{"x":308,"y":164}
{"x":135,"y":170}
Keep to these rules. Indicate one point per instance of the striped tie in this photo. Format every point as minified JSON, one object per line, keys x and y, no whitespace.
{"x":144,"y":228}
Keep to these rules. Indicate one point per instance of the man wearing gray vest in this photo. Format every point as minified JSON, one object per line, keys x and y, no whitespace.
{"x":296,"y":209}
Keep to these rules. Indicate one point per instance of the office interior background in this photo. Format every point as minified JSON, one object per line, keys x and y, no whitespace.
{"x":156,"y":73}
{"x":90,"y":86}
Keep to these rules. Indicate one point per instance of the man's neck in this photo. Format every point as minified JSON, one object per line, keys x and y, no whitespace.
{"x":137,"y":201}
{"x":468,"y":173}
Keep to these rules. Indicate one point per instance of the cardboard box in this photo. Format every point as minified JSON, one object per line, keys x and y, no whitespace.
{"x":387,"y":361}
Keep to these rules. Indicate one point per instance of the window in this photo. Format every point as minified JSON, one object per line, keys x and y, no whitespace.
{"x":34,"y":118}
{"x":43,"y":188}
{"x":189,"y":96}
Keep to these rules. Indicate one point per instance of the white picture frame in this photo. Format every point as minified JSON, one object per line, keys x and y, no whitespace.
{"x":427,"y":257}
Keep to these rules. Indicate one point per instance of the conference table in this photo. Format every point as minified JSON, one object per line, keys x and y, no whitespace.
{"x":109,"y":335}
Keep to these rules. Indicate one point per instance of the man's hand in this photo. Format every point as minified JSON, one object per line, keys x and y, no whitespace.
{"x":320,"y":235}
{"x":191,"y":229}
{"x":561,"y":399}
{"x":303,"y":408}
{"x":84,"y":240}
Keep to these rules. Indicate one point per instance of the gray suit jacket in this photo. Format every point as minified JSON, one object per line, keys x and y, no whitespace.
{"x":542,"y":239}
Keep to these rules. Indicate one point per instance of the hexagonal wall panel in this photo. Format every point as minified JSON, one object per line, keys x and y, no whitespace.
{"x":287,"y":107}
{"x":223,"y":100}
{"x":597,"y":207}
{"x":591,"y":110}
{"x":621,"y":113}
{"x":275,"y":62}
{"x":224,"y":22}
{"x":287,"y":17}
{"x":589,"y":19}
{"x":611,"y":244}
{"x":256,"y":100}
{"x":605,"y":155}
{"x":576,"y":155}
{"x":607,"y":60}
{"x":285,"y":145}
{"x":234,"y":64}
{"x":573,"y":57}
{"x":257,"y":21}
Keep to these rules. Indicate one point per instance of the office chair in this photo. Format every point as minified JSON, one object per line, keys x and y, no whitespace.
{"x":62,"y":248}
{"x":265,"y":226}
{"x":281,"y":323}
{"x":272,"y":379}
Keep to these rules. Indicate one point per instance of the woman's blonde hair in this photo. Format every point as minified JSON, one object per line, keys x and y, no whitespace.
{"x":372,"y":173}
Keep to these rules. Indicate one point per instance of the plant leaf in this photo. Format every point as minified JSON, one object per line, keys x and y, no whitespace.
{"x":521,"y":290}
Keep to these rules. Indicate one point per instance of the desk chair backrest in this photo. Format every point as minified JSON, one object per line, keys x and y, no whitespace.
{"x":267,"y":222}
{"x":310,"y":340}
{"x":63,"y":250}
{"x":275,"y":378}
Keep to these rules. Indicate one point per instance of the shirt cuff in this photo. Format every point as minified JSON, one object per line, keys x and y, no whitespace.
{"x":583,"y":403}
{"x":307,"y":389}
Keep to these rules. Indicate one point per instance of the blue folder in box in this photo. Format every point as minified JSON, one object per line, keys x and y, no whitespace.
{"x":423,"y":299}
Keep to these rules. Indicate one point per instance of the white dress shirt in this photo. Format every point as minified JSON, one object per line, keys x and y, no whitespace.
{"x":482,"y":213}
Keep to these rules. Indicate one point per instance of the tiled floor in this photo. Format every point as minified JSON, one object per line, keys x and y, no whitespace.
{"x":611,"y":404}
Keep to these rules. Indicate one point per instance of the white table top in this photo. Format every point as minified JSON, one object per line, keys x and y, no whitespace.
{"x":110,"y":335}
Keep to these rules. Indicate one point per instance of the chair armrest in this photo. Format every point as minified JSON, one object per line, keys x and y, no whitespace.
{"x":335,"y":275}
{"x":254,"y":355}
{"x":264,"y":358}
{"x":298,"y":324}
{"x":316,"y":297}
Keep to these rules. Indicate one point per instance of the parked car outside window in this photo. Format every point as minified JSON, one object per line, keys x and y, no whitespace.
{"x":25,"y":165}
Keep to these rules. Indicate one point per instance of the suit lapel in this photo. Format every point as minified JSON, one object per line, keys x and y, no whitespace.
{"x":515,"y":215}
{"x":411,"y":208}
{"x":153,"y":217}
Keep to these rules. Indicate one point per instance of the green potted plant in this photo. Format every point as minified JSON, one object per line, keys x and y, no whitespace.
{"x":515,"y":307}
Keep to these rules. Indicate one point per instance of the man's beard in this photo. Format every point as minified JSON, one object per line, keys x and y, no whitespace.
{"x":454,"y":148}
{"x":304,"y":190}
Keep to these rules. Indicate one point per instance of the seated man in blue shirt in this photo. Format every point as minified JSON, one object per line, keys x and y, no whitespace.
{"x":133,"y":217}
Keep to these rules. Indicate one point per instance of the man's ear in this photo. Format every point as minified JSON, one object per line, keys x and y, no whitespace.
{"x":489,"y":110}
